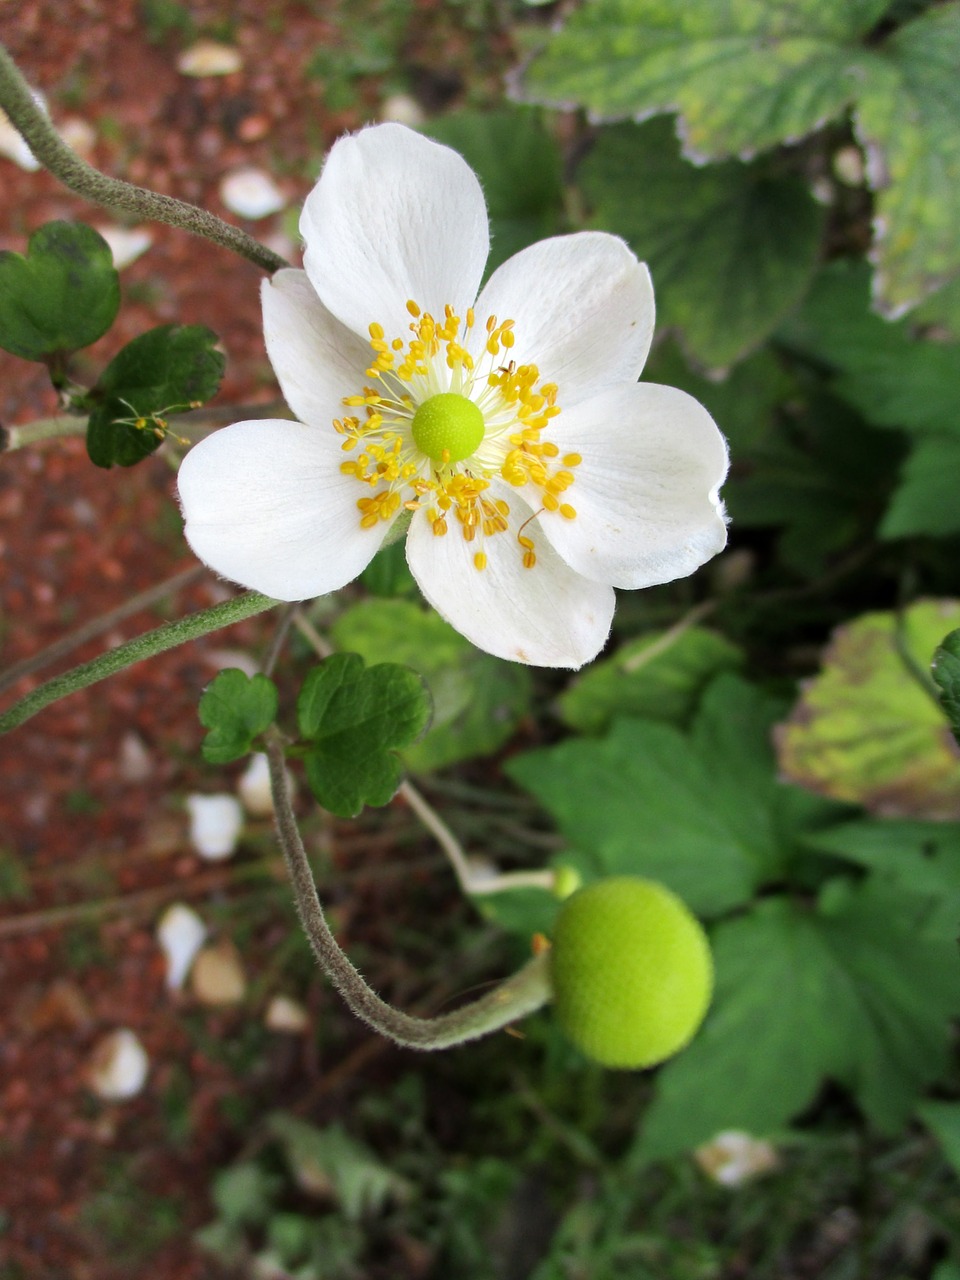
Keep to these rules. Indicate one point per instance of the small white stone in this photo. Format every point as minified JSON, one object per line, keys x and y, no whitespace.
{"x":285,"y":1014}
{"x":79,"y":135}
{"x":126,"y":243}
{"x":134,"y":762}
{"x":12,"y":144}
{"x":734,"y":1157}
{"x":209,"y":58}
{"x":222,"y":659}
{"x":254,"y":787}
{"x":251,"y":193}
{"x":217,"y":977}
{"x":401,"y":108}
{"x":181,"y":934}
{"x":118,"y":1066}
{"x":848,"y":166}
{"x":215,"y":825}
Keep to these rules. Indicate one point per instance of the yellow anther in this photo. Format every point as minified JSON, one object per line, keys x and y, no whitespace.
{"x":413,"y":308}
{"x":375,"y":330}
{"x":572,"y":459}
{"x":480,"y":560}
{"x":470,"y":317}
{"x":568,"y":512}
{"x":507,"y":338}
{"x":529,"y":559}
{"x":525,"y":542}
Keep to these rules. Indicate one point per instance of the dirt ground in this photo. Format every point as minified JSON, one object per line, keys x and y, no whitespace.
{"x":93,"y":835}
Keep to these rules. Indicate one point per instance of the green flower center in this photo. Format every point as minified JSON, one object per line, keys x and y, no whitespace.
{"x":448,"y":427}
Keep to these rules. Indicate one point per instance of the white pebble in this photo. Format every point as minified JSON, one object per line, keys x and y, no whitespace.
{"x":181,"y":934}
{"x":118,"y":1066}
{"x":251,"y":193}
{"x":733,"y":1157}
{"x":286,"y":1015}
{"x":215,"y":825}
{"x":209,"y":58}
{"x":126,"y":243}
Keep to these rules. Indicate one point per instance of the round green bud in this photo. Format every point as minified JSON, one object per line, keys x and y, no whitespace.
{"x":566,"y":880}
{"x":631,"y":971}
{"x":448,"y":427}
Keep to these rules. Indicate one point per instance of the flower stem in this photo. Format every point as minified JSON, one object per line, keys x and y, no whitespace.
{"x":50,"y":149}
{"x":153,"y":642}
{"x":42,"y":429}
{"x":523,"y":993}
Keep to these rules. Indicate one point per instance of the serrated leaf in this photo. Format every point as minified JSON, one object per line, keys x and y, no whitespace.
{"x":893,"y":379}
{"x":866,"y":730}
{"x":744,"y":76}
{"x":926,"y":501}
{"x":165,"y":370}
{"x":847,"y":991}
{"x":659,"y":676}
{"x":907,"y":119}
{"x":946,"y":674}
{"x":61,"y":296}
{"x":731,"y":248}
{"x":235,"y":708}
{"x":477,"y":699}
{"x":520,"y":167}
{"x":355,"y":717}
{"x":703,"y":812}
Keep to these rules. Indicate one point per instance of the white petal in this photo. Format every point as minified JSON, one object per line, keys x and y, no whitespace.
{"x":317,"y":360}
{"x":266,"y":506}
{"x":547,"y":616}
{"x":583,"y":307}
{"x":394,"y":216}
{"x":646,"y":492}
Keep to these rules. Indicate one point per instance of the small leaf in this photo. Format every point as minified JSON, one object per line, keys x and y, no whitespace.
{"x":62,"y":296}
{"x":477,"y":699}
{"x":866,"y":730}
{"x":732,"y":248}
{"x":235,"y":708}
{"x":355,"y":717}
{"x":656,"y":677}
{"x":946,"y":673}
{"x":165,"y":370}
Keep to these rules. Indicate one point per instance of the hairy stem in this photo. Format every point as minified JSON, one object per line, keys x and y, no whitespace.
{"x":523,"y":993}
{"x":52,"y":152}
{"x":153,"y":642}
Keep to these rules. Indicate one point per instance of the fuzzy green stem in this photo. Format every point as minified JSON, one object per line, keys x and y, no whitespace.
{"x":153,"y":642}
{"x":50,"y":149}
{"x":523,"y":993}
{"x":42,"y":429}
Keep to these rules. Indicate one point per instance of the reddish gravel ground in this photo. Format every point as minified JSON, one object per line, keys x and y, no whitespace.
{"x":91,"y":789}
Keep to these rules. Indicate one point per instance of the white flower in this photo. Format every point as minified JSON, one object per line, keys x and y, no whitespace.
{"x":536,"y":473}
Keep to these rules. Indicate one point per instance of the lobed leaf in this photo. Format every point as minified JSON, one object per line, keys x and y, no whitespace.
{"x":235,"y":708}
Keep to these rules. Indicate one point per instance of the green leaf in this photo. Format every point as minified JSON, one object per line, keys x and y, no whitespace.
{"x":744,"y":76}
{"x":919,"y":859}
{"x":165,"y":370}
{"x":846,"y":991}
{"x":477,"y":699}
{"x":520,"y":167}
{"x":907,"y":119}
{"x":235,"y":708}
{"x":62,"y":296}
{"x":658,"y":676}
{"x":355,"y":717}
{"x":243,"y":1194}
{"x":893,"y":379}
{"x":925,"y":502}
{"x":731,"y":248}
{"x":867,"y":730}
{"x":330,"y":1156}
{"x":703,"y":812}
{"x":943,"y":1121}
{"x":946,"y":674}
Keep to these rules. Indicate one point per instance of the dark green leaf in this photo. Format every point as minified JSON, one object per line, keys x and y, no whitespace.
{"x":519,"y":165}
{"x":731,"y":248}
{"x":477,"y":699}
{"x":703,"y":813}
{"x":166,"y":370}
{"x":62,"y":296}
{"x":946,"y":673}
{"x":355,"y":717}
{"x":235,"y":708}
{"x":926,"y":501}
{"x":847,"y":991}
{"x":943,"y":1121}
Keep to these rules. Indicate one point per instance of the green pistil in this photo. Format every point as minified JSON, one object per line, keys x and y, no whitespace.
{"x":448,"y":427}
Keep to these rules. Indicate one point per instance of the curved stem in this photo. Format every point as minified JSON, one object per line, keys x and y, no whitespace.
{"x":153,"y":642}
{"x":50,"y":149}
{"x":523,"y":993}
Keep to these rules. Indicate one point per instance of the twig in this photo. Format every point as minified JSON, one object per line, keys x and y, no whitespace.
{"x":50,"y":149}
{"x":65,"y":424}
{"x":527,"y":990}
{"x":97,"y":626}
{"x":153,"y":642}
